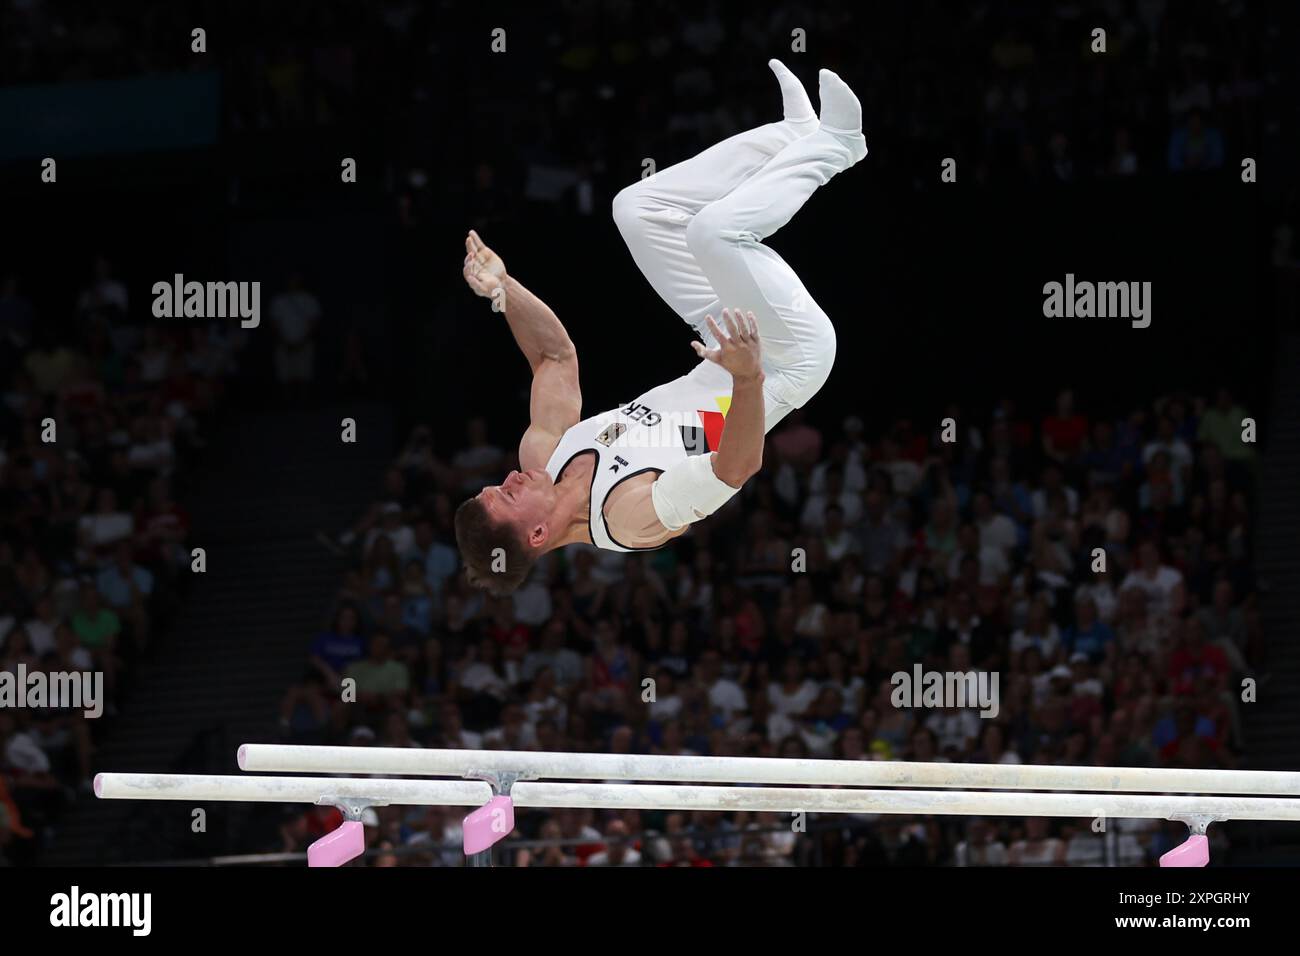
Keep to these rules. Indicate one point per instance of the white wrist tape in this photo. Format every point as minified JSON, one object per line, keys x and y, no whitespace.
{"x":688,"y":492}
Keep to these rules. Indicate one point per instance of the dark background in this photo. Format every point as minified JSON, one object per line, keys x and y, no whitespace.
{"x":923,"y":279}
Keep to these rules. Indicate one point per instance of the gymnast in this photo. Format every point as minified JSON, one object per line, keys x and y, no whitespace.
{"x":634,"y":477}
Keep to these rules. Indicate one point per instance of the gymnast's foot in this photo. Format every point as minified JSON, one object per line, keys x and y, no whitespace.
{"x":842,"y":114}
{"x":797,"y":108}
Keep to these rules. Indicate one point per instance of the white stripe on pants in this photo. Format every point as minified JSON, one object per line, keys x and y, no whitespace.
{"x":696,"y":231}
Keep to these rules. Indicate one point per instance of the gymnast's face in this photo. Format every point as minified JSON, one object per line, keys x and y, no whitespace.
{"x":525,"y":499}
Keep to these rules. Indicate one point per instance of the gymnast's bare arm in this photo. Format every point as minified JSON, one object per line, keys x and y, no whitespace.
{"x":556,"y":402}
{"x":740,"y":452}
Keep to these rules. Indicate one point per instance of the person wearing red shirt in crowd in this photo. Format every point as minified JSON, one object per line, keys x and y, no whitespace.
{"x":83,"y":393}
{"x":796,"y":441}
{"x":610,"y":671}
{"x":1065,"y":432}
{"x":1195,"y":659}
{"x":1195,"y":742}
{"x":505,"y":630}
{"x":912,"y":445}
{"x":747,"y":619}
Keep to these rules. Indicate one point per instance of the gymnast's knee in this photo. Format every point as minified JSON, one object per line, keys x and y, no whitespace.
{"x":706,"y":232}
{"x":816,"y":368}
{"x":627,"y":208}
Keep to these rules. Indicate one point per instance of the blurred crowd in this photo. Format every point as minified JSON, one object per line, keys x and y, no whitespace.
{"x":100,"y":417}
{"x":1099,"y":565}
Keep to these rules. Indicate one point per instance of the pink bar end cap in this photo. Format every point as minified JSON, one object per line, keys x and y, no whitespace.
{"x":488,"y":825}
{"x":334,"y":849}
{"x":1195,"y":852}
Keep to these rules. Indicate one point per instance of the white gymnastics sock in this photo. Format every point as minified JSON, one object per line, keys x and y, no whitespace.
{"x":842,"y":113}
{"x":798,"y":109}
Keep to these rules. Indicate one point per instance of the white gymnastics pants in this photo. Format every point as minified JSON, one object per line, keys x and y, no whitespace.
{"x":696,"y":231}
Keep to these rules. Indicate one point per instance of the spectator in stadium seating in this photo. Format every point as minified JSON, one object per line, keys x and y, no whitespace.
{"x":381,"y":680}
{"x":126,"y":587}
{"x":334,"y":651}
{"x":1195,"y":146}
{"x":1161,"y":584}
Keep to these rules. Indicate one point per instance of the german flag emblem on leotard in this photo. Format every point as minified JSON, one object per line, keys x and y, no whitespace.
{"x":697,"y":441}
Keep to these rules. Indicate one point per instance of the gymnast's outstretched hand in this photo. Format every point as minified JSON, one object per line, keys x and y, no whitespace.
{"x":738,"y":349}
{"x":484,"y":270}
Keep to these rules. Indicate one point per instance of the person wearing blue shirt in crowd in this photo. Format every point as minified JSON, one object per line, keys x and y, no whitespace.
{"x":1089,"y":634}
{"x":117,"y":581}
{"x":440,"y":559}
{"x":333,"y":650}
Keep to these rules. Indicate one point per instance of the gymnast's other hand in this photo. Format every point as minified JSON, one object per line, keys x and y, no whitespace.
{"x":738,"y":349}
{"x":485,"y":272}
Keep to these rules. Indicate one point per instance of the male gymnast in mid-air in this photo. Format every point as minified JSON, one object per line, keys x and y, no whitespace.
{"x":634,"y":477}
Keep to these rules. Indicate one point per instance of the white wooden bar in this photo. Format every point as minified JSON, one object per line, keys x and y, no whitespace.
{"x":1114,"y":806}
{"x":201,"y":788}
{"x":204,"y":788}
{"x":762,"y":770}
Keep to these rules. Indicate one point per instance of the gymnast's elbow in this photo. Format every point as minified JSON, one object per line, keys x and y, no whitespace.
{"x":736,"y":473}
